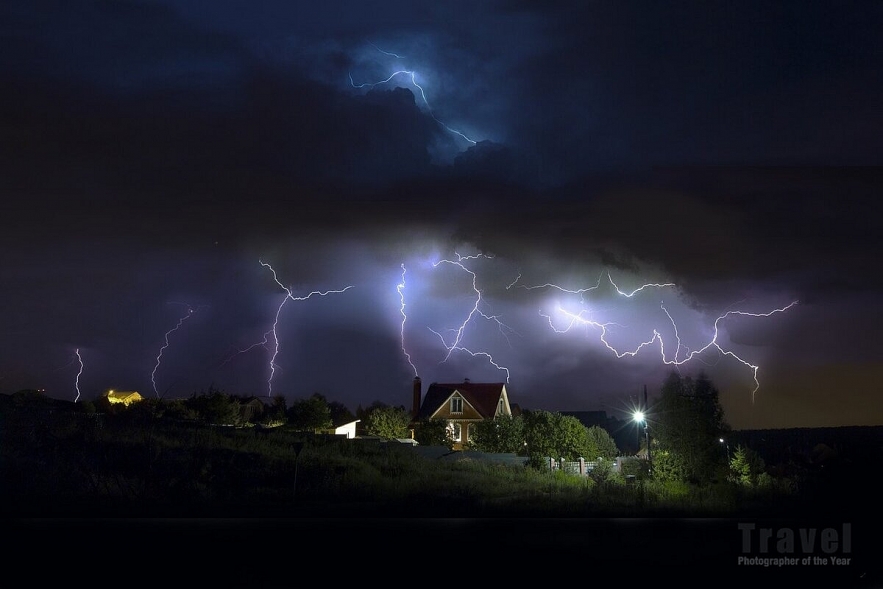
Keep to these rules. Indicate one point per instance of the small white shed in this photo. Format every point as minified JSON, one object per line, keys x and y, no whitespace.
{"x":347,"y":429}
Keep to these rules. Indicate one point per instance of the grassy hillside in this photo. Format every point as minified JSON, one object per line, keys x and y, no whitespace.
{"x":79,"y":486}
{"x":60,"y":461}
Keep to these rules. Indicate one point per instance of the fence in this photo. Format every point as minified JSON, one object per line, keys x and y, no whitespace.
{"x":581,"y":466}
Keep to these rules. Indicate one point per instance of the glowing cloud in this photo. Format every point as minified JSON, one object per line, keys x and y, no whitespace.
{"x":573,"y":319}
{"x":410,"y":75}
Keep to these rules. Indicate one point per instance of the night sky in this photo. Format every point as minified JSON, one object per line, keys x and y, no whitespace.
{"x":288,"y":198}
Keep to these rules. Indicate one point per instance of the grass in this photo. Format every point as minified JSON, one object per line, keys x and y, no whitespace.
{"x":57,"y":464}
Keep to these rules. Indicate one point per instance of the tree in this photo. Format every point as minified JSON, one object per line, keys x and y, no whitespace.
{"x":539,"y":433}
{"x":557,"y":436}
{"x":503,"y":434}
{"x":747,"y":466}
{"x":364,"y":413}
{"x":180,"y":409}
{"x":215,"y":407}
{"x":311,"y":414}
{"x":388,"y":423}
{"x":276,"y":413}
{"x":431,"y":432}
{"x":603,"y":444}
{"x":340,"y":414}
{"x":686,"y":424}
{"x":573,"y":438}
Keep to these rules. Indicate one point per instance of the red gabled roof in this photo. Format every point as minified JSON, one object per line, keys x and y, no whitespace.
{"x":481,"y":395}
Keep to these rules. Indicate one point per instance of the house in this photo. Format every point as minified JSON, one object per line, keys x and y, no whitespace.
{"x":124,"y":397}
{"x":462,"y":405}
{"x":252,"y":408}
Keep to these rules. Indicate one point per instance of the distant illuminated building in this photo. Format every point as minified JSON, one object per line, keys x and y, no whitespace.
{"x":124,"y":397}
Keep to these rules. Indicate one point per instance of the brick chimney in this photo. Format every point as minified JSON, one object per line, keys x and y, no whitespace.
{"x":417,"y":393}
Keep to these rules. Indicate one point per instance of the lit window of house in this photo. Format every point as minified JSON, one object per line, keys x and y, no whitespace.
{"x":456,"y":405}
{"x":458,"y":433}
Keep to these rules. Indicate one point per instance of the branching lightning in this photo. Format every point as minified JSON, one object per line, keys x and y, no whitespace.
{"x":264,"y":343}
{"x":181,"y":320}
{"x":579,"y":319}
{"x":471,"y":353}
{"x":730,"y":353}
{"x":412,"y":76}
{"x":582,"y":291}
{"x":475,"y":310}
{"x":272,"y":332}
{"x":677,"y":335}
{"x":399,"y":288}
{"x":639,"y":289}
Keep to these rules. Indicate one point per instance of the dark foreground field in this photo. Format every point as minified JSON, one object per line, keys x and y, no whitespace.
{"x":283,"y":552}
{"x":155,"y":503}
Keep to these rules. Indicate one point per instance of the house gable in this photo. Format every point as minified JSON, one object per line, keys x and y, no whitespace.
{"x":479,"y":401}
{"x":462,"y":405}
{"x":456,"y":406}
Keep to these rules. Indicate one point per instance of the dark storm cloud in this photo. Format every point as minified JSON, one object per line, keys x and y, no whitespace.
{"x":114,"y":46}
{"x":136,"y":108}
{"x":703,"y":82}
{"x":155,"y":152}
{"x":632,"y":84}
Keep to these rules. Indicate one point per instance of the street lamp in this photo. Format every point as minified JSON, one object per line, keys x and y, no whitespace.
{"x":639,"y":418}
{"x":727,"y":446}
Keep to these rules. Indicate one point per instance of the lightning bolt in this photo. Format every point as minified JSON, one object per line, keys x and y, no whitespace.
{"x":471,"y":353}
{"x":399,"y":288}
{"x":165,"y":345}
{"x":474,"y":311}
{"x":390,"y":53}
{"x":79,"y":373}
{"x":637,"y":290}
{"x":76,"y":358}
{"x":579,"y":291}
{"x":716,"y":345}
{"x":579,"y":319}
{"x":412,"y":76}
{"x":677,"y":335}
{"x":272,"y":332}
{"x":275,"y":351}
{"x":264,"y":344}
{"x":582,"y":291}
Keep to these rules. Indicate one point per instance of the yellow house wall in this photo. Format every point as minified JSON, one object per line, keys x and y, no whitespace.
{"x":469,"y":412}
